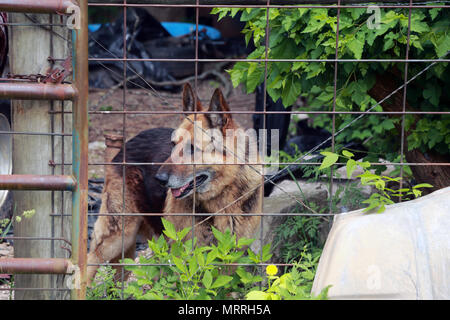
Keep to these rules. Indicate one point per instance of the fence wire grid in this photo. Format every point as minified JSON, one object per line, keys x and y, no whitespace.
{"x":130,"y":91}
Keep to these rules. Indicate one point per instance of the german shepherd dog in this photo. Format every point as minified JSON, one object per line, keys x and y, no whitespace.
{"x":220,"y":187}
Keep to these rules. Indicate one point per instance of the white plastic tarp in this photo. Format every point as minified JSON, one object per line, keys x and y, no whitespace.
{"x":402,"y":253}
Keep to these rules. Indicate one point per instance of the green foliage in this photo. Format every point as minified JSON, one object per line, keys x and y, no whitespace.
{"x":106,"y":108}
{"x":104,"y":285}
{"x":299,"y":234}
{"x":5,"y":224}
{"x":179,"y":269}
{"x":293,"y":285}
{"x":302,"y":33}
{"x":384,"y":194}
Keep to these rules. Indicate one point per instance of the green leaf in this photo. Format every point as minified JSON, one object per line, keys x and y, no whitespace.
{"x":222,"y":14}
{"x":257,"y":295}
{"x":218,"y":235}
{"x":238,"y":73}
{"x":357,"y":12}
{"x":388,"y":124}
{"x":291,"y":90}
{"x":417,"y":193}
{"x":254,"y":76}
{"x":207,"y":279}
{"x":432,"y":94}
{"x":356,"y":46}
{"x":443,"y":45}
{"x":364,"y":164}
{"x":314,"y":25}
{"x":266,"y":255}
{"x":221,"y":281}
{"x":212,"y":255}
{"x":179,"y":264}
{"x":244,"y":242}
{"x":434,"y":12}
{"x":287,"y":23}
{"x":252,"y":256}
{"x":273,"y":13}
{"x":169,"y":229}
{"x":423,"y":185}
{"x":329,"y":160}
{"x":181,"y":234}
{"x":372,"y":205}
{"x":247,"y":277}
{"x":193,"y":266}
{"x":351,"y":166}
{"x":347,"y":153}
{"x":234,"y":11}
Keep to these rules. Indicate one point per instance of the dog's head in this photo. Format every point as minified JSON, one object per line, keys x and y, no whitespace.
{"x":209,"y":141}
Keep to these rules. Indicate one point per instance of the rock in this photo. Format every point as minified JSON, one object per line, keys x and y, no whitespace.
{"x":283,"y":200}
{"x":97,"y":145}
{"x":6,"y":250}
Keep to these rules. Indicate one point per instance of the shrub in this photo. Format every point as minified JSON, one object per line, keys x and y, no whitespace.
{"x":179,"y":269}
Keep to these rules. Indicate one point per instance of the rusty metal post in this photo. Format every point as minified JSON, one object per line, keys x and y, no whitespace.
{"x":37,"y":91}
{"x":32,"y":154}
{"x":35,"y":266}
{"x":33,"y":6}
{"x":80,"y":152}
{"x":37,"y":182}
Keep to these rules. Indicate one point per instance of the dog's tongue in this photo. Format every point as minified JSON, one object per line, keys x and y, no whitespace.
{"x":177,"y":192}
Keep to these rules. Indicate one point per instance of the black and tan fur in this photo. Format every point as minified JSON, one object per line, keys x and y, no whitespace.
{"x":146,"y":189}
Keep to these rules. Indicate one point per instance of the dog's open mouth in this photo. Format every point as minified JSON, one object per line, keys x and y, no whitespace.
{"x":188,"y":187}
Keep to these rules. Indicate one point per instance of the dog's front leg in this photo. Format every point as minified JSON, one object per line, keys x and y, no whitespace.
{"x":108,"y":241}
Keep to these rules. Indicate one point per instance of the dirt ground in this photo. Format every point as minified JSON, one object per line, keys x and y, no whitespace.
{"x":6,"y":251}
{"x":148,"y":100}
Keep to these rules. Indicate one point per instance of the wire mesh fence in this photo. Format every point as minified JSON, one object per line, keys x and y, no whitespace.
{"x":136,"y":83}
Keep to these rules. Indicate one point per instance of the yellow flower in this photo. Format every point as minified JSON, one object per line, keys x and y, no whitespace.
{"x":271,"y":270}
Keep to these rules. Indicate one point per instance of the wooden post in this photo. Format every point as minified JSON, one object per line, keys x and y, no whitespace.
{"x":30,"y":48}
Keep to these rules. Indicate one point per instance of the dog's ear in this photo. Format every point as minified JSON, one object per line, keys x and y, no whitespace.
{"x":189,"y":100}
{"x":218,"y":103}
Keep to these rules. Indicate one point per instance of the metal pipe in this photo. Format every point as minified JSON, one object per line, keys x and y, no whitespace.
{"x":80,"y":152}
{"x":35,"y":266}
{"x":37,"y":182}
{"x":246,"y":3}
{"x":274,"y":6}
{"x":33,"y":6}
{"x":37,"y":91}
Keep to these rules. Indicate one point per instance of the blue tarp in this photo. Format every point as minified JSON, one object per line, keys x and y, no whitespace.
{"x":176,"y":29}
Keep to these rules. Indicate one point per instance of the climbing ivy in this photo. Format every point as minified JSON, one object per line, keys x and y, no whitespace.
{"x":303,"y":33}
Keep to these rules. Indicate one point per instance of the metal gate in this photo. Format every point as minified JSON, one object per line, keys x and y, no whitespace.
{"x":77,"y":92}
{"x":77,"y":183}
